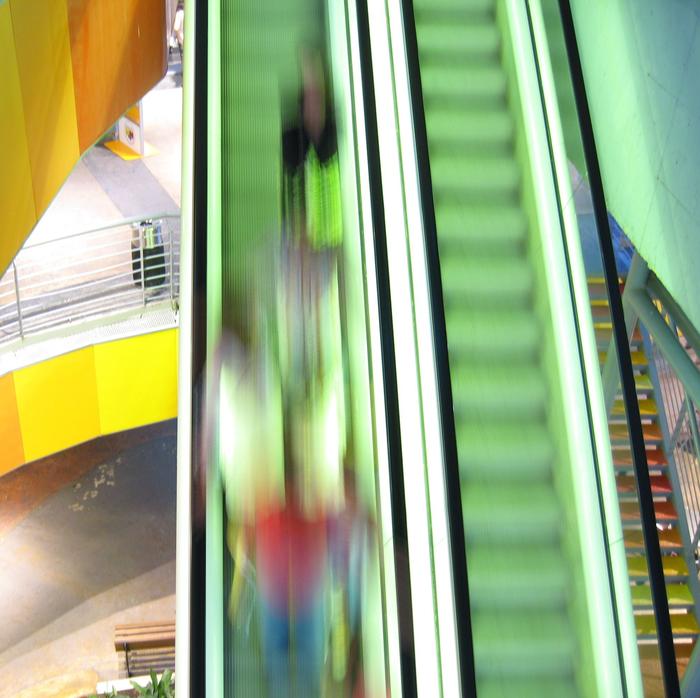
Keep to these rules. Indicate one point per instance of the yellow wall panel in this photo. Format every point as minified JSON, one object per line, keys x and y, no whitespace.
{"x":137,"y":380}
{"x":57,"y":403}
{"x":43,"y":51}
{"x":16,"y":192}
{"x":11,"y":450}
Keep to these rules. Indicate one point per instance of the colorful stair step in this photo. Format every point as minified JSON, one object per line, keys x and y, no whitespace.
{"x":665,"y":511}
{"x":683,"y":625}
{"x":647,"y":408}
{"x":603,"y":327}
{"x":679,"y":595}
{"x":652,"y":432}
{"x":674,"y":567}
{"x":669,"y":539}
{"x":656,"y":458}
{"x":643,"y":383}
{"x":639,"y":358}
{"x":660,"y":485}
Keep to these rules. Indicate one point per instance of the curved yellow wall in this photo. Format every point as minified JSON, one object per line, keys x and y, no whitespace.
{"x":68,"y":70}
{"x":94,"y":391}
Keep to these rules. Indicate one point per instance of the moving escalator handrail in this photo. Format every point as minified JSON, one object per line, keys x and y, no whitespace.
{"x":444,"y":381}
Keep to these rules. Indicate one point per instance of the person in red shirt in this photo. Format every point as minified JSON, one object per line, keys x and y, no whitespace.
{"x":289,"y":546}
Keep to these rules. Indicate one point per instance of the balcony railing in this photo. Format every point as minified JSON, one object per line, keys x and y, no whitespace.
{"x":125,"y":266}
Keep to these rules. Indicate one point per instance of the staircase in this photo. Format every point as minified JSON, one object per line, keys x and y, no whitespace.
{"x":520,"y":571}
{"x":680,"y":599}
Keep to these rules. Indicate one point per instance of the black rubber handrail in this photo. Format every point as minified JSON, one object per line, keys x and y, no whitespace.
{"x":199,"y":349}
{"x":388,"y":353}
{"x":634,"y":422}
{"x":458,"y":552}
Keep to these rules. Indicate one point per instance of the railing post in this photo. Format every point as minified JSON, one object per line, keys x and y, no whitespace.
{"x":172,"y":266}
{"x":143,"y":267}
{"x":19,"y":303}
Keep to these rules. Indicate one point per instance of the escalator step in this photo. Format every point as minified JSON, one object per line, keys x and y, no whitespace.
{"x":502,"y":391}
{"x":527,"y":688}
{"x":527,"y":577}
{"x":496,"y":282}
{"x":454,"y":8}
{"x":486,"y":229}
{"x":460,"y":130}
{"x":523,"y":644}
{"x":508,"y":514}
{"x":492,"y":334}
{"x":502,"y":452}
{"x":442,"y":35}
{"x":484,"y":178}
{"x":452,"y":84}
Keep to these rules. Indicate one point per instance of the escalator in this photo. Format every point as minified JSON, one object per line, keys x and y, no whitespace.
{"x":523,"y":550}
{"x":540,"y":605}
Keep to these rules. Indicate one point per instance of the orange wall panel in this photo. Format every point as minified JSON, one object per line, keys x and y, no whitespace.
{"x":11,"y":450}
{"x":16,"y":189}
{"x":57,"y":403}
{"x":42,"y":45}
{"x":118,"y":53}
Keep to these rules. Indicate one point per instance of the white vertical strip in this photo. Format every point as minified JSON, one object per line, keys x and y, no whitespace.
{"x":183,"y":552}
{"x":435,"y":463}
{"x":391,"y":621}
{"x":418,"y":519}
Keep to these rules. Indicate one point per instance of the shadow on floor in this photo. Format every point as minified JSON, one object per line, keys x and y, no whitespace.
{"x":84,"y":522}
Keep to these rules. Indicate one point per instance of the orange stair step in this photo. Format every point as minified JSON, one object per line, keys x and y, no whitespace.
{"x":652,"y":432}
{"x":669,"y":539}
{"x":660,"y":485}
{"x":655,"y":458}
{"x":665,"y":511}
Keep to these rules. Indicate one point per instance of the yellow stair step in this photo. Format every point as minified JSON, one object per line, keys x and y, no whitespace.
{"x":669,"y":539}
{"x":678,"y":595}
{"x":639,"y":358}
{"x":674,"y":566}
{"x":681,"y":624}
{"x":647,"y":408}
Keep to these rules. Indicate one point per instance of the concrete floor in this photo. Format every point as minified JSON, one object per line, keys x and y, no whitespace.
{"x":93,"y":546}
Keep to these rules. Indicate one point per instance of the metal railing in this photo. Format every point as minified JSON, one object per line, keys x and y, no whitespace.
{"x":122,"y":266}
{"x":681,"y":414}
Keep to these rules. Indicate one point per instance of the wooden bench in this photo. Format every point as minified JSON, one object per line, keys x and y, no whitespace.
{"x":146,"y":646}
